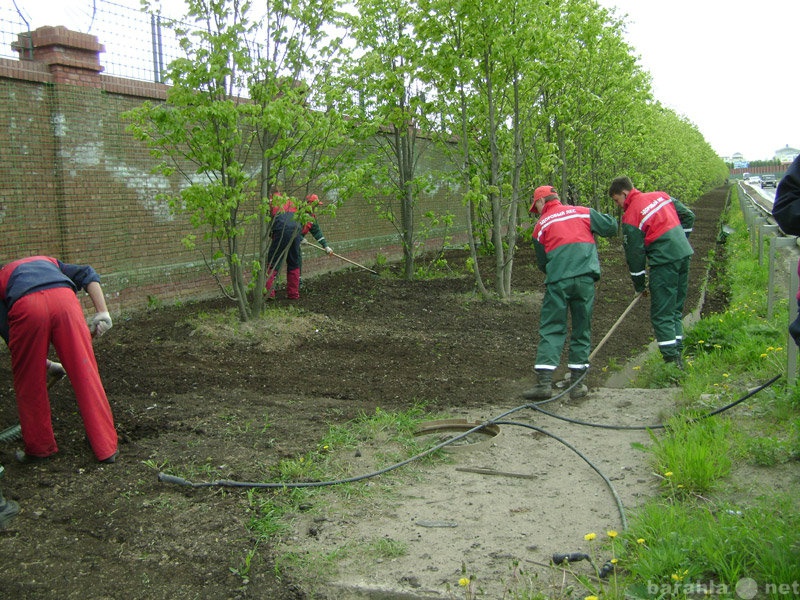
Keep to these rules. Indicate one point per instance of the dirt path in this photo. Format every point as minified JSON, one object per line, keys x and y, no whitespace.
{"x":514,"y":503}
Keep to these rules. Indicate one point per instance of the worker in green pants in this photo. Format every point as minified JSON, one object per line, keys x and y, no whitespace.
{"x":564,"y":242}
{"x":655,"y":232}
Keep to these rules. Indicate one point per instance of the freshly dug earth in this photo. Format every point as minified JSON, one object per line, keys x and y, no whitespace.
{"x":193,"y":393}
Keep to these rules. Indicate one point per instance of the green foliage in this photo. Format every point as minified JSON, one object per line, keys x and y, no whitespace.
{"x":694,"y":544}
{"x":237,"y":123}
{"x":692,"y":456}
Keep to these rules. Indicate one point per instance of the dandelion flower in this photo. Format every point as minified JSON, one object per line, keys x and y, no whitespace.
{"x":463,"y":582}
{"x":611,"y":533}
{"x":614,"y":561}
{"x":590,"y":598}
{"x":590,"y":536}
{"x":668,"y":474}
{"x":640,"y":541}
{"x":636,"y":368}
{"x":763,"y":356}
{"x":725,"y":375}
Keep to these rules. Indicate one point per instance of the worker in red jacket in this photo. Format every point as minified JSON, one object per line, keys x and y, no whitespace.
{"x":566,"y":252}
{"x":291,"y":221}
{"x":655,"y":232}
{"x":39,"y":306}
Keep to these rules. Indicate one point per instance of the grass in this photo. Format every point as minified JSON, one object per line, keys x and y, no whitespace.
{"x":703,"y":535}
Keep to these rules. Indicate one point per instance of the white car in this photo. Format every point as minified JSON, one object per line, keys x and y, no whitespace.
{"x":754,"y":180}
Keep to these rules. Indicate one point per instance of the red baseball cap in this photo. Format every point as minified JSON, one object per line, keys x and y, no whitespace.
{"x":546,"y":192}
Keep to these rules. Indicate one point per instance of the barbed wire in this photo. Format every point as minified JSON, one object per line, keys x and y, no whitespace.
{"x":138,"y":45}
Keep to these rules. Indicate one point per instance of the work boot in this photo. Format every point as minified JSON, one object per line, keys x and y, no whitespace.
{"x":580,"y":390}
{"x":543,"y":388}
{"x":270,"y":285}
{"x":293,"y":284}
{"x":675,"y":359}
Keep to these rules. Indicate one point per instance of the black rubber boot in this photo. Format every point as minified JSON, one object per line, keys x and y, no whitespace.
{"x":674,"y":359}
{"x":543,"y":388}
{"x":580,"y":390}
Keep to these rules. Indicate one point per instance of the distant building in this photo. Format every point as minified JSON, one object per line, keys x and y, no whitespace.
{"x":786,"y":154}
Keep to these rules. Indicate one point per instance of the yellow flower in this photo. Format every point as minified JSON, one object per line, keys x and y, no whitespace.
{"x":611,"y":533}
{"x":701,"y":341}
{"x":463,"y":582}
{"x":640,"y":541}
{"x":614,"y":561}
{"x":590,"y":598}
{"x":590,"y":536}
{"x":668,"y":474}
{"x":636,"y":368}
{"x":725,"y":375}
{"x":763,"y":356}
{"x":778,"y":349}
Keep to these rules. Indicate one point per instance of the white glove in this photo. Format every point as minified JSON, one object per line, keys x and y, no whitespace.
{"x":55,"y":369}
{"x":100,"y":324}
{"x":329,"y":250}
{"x":55,"y":373}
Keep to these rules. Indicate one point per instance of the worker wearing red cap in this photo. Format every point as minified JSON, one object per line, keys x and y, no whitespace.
{"x":290,"y":223}
{"x":563,"y":238}
{"x":655,"y":232}
{"x":39,"y":307}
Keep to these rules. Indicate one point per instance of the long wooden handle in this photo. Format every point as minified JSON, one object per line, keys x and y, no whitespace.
{"x":615,"y":325}
{"x":344,"y":258}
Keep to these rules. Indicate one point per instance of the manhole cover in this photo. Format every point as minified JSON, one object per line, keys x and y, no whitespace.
{"x":442,"y":430}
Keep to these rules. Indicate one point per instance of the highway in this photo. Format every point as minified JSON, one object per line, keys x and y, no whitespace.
{"x":763,"y":197}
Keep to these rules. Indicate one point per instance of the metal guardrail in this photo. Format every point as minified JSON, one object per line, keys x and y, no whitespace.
{"x":783,"y":253}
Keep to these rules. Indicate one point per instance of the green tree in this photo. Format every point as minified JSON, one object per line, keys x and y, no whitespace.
{"x":246,"y":112}
{"x":391,"y":112}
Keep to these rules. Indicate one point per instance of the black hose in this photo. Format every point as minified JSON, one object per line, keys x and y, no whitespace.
{"x":166,"y":478}
{"x":753,"y":392}
{"x":617,"y":499}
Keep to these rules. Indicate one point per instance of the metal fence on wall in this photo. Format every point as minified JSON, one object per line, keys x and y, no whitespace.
{"x":138,"y":45}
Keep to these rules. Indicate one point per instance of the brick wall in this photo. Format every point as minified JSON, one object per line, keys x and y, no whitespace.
{"x":75,"y":185}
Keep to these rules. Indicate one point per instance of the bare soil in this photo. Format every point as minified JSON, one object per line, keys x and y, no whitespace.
{"x":194,"y":394}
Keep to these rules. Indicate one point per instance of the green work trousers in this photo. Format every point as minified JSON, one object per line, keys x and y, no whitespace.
{"x":573,"y":296}
{"x":668,"y":286}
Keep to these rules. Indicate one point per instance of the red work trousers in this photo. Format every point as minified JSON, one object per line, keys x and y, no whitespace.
{"x":35,"y":321}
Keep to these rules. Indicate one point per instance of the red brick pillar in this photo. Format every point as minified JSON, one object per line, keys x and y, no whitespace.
{"x":72,"y":57}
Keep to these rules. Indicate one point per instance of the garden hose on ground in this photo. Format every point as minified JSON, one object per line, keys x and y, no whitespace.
{"x":166,"y":478}
{"x":753,"y":392}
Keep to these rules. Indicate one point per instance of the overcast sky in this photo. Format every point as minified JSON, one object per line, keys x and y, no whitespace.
{"x":729,"y":66}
